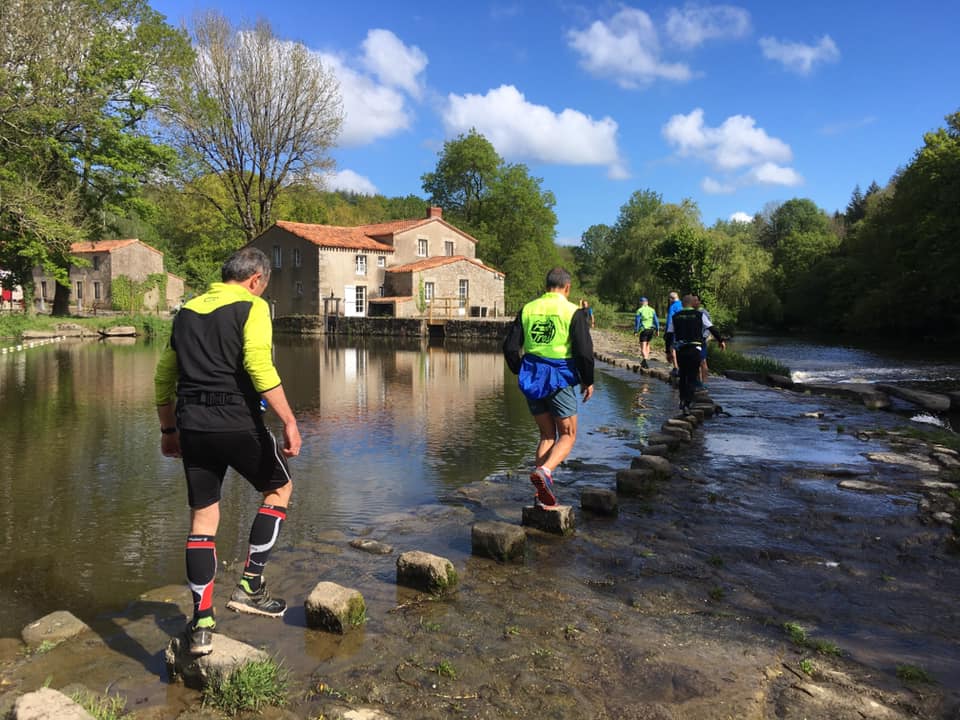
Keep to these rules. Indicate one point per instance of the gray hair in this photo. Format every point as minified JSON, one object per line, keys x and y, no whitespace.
{"x":557,"y":278}
{"x":244,"y":263}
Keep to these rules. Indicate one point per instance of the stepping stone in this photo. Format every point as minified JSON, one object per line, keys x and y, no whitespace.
{"x":692,"y":420}
{"x":558,"y":520}
{"x":660,"y":465}
{"x":684,"y":435}
{"x":655,"y":450}
{"x":498,"y":540}
{"x":668,"y":439}
{"x":599,"y":500}
{"x":705,"y":408}
{"x":423,"y":571}
{"x":682,"y":424}
{"x":780,"y":381}
{"x":934,"y":402}
{"x":199,"y":671}
{"x":334,"y":608}
{"x":744,"y":376}
{"x":640,"y":481}
{"x":53,"y":628}
{"x":698,"y":413}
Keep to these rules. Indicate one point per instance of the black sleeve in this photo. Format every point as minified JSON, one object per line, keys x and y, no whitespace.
{"x":582,"y":347}
{"x":716,"y":333}
{"x":513,"y":344}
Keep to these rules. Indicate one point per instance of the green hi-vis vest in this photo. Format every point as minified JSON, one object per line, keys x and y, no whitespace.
{"x":646,"y":314}
{"x":546,"y":326}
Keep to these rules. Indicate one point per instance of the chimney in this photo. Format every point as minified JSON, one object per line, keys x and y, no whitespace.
{"x":435,"y":212}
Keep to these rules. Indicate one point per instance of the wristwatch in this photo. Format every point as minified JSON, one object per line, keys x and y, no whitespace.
{"x":168,"y":430}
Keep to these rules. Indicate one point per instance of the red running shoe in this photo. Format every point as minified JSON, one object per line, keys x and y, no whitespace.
{"x":540,"y":478}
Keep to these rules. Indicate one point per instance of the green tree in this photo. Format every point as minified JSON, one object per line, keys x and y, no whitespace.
{"x":591,"y":255}
{"x":460,"y":183}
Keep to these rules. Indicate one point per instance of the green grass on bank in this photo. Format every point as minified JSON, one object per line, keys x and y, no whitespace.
{"x":13,"y":325}
{"x":723,"y":360}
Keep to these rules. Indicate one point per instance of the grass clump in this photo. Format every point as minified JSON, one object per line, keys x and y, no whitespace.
{"x":445,"y":668}
{"x":249,"y":687}
{"x":799,"y":638}
{"x":722,"y":360}
{"x":106,"y":707}
{"x":913,"y":675}
{"x":807,"y":666}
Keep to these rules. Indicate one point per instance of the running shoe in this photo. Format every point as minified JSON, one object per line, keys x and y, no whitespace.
{"x":643,"y":364}
{"x":541,"y":478}
{"x":200,"y":638}
{"x":256,"y":603}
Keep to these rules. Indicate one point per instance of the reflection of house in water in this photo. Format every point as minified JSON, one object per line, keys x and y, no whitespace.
{"x":378,"y":389}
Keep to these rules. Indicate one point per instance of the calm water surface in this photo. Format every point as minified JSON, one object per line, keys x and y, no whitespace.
{"x":93,"y":514}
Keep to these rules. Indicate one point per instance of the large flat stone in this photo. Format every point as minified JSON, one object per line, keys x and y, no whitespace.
{"x":602,"y":501}
{"x":866,"y":393}
{"x":684,"y":435}
{"x":53,"y":628}
{"x":703,"y":408}
{"x":907,"y":461}
{"x":656,"y":450}
{"x":678,"y":423}
{"x":636,"y":481}
{"x":497,"y":540}
{"x":198,"y":672}
{"x":670,"y":440}
{"x":558,"y":520}
{"x":744,"y":376}
{"x":423,"y":571}
{"x":780,"y":381}
{"x":48,"y":704}
{"x":934,"y":402}
{"x":334,"y":608}
{"x":374,"y":547}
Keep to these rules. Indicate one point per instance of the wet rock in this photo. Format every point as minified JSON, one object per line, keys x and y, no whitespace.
{"x":944,"y":518}
{"x":934,"y":402}
{"x":779,"y":381}
{"x":699,"y":414}
{"x":641,"y":481}
{"x":48,"y":704}
{"x":693,"y":420}
{"x":334,"y":608}
{"x":366,"y":714}
{"x":706,"y":409}
{"x":119,"y":331}
{"x":863,"y":392}
{"x":813,"y":415}
{"x":197,"y":672}
{"x":684,"y":435}
{"x":744,"y":376}
{"x":558,"y":520}
{"x":659,"y":465}
{"x":497,"y":540}
{"x":374,"y":547}
{"x":599,"y":500}
{"x":861,"y":486}
{"x":954,"y":400}
{"x":53,"y":628}
{"x":655,"y":450}
{"x":908,"y":461}
{"x":660,"y":374}
{"x":947,"y":461}
{"x":682,"y":424}
{"x":423,"y":571}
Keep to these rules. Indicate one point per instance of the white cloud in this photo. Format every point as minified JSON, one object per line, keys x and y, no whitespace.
{"x":770,"y":173}
{"x":843,"y":127}
{"x":625,"y":48}
{"x":394,"y":63}
{"x":696,"y":24}
{"x":734,"y":144}
{"x":798,"y":57}
{"x":522,"y":130}
{"x":349,"y":181}
{"x":741,"y":217}
{"x":715,"y":187}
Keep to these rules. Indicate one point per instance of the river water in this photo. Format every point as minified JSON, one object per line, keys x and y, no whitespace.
{"x":92,"y":514}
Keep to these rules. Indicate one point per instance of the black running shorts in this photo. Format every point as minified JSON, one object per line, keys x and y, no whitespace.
{"x":252,"y":453}
{"x":646,"y":335}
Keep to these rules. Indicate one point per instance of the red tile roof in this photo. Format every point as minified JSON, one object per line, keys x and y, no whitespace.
{"x":332,"y":236}
{"x":432,"y":262}
{"x":107,"y":246}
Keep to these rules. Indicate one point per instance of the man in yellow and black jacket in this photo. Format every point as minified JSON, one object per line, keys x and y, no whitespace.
{"x":554,"y":337}
{"x":212,"y":384}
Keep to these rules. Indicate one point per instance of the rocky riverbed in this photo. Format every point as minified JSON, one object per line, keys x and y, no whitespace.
{"x":798,"y":562}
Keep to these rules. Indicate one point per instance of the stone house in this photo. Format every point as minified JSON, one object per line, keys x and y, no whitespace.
{"x":91,"y":286}
{"x":403,"y":268}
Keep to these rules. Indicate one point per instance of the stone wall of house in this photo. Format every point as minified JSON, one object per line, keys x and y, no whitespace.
{"x":175,"y":290}
{"x":437,"y":234}
{"x":478,"y":329}
{"x":484,"y":290}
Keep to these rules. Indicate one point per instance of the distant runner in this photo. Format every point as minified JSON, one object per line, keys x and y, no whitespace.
{"x":644,"y":325}
{"x":690,"y":328}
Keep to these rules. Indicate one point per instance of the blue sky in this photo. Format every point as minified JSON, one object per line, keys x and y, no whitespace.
{"x":734,"y":106}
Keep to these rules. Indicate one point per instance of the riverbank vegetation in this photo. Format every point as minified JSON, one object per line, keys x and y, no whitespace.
{"x":13,"y":325}
{"x":720,"y":361}
{"x":104,"y":158}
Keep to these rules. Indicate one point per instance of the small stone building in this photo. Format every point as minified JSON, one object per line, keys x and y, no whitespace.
{"x":91,"y":286}
{"x":402,"y":268}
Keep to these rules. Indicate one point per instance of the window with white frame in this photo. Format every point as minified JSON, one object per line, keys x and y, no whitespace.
{"x":361,"y":264}
{"x":296,"y":257}
{"x":381,"y":261}
{"x":422,"y":247}
{"x":277,"y":256}
{"x":448,"y":247}
{"x":428,"y":291}
{"x":361,"y":299}
{"x":43,"y":289}
{"x":464,"y":292}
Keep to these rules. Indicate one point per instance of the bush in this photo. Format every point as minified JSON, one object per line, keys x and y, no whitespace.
{"x":250,"y":687}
